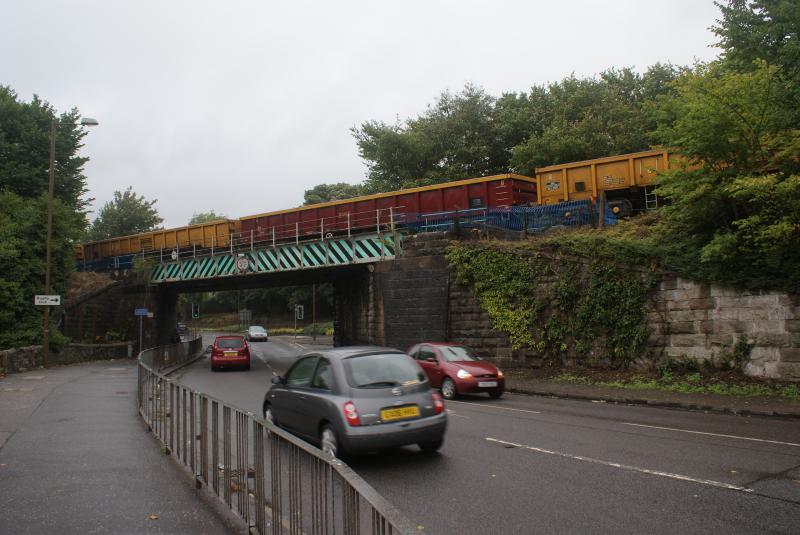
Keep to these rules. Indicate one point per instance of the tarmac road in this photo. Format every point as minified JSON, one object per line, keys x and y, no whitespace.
{"x":539,"y":465}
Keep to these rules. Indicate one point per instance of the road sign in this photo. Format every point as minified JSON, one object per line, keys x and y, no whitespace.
{"x":298,"y":312}
{"x":47,"y":300}
{"x":140,"y":312}
{"x":245,"y":315}
{"x":242,"y":263}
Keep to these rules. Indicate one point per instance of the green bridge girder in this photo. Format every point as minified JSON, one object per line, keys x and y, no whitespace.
{"x":283,"y":257}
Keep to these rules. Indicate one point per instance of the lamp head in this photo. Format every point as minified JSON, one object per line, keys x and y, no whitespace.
{"x":88,"y":121}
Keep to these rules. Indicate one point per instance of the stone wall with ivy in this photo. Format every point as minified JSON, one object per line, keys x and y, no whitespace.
{"x":525,"y":307}
{"x":570,"y":310}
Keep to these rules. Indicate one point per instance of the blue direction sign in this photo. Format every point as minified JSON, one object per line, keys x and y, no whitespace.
{"x":140,"y":312}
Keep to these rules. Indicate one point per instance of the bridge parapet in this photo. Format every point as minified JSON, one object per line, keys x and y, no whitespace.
{"x":364,"y":248}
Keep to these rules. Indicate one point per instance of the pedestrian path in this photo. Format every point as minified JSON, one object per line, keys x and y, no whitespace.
{"x":75,"y":457}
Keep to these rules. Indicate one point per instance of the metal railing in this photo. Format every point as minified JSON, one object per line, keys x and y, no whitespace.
{"x":516,"y":218}
{"x":275,"y":482}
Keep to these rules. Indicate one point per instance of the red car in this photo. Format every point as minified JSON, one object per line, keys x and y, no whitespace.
{"x":229,"y":351}
{"x":457,"y":369}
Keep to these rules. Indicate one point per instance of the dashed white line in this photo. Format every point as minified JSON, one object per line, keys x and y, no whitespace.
{"x":494,"y":407}
{"x":681,"y":477}
{"x":713,"y":434}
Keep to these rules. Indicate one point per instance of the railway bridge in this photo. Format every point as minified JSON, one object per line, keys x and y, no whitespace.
{"x":385,"y":293}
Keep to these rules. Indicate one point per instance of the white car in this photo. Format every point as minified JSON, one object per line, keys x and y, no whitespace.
{"x":256,"y":333}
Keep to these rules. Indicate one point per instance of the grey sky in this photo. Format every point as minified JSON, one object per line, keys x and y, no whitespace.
{"x":240,"y":106}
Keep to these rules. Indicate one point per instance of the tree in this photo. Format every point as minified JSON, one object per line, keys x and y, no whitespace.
{"x":206,"y":217}
{"x":127,"y":214}
{"x":583,"y":118}
{"x":454,"y":139}
{"x":25,"y":150}
{"x":331,"y":192}
{"x":24,"y":170}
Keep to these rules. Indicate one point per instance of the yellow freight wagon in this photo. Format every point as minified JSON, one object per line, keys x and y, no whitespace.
{"x":202,"y":236}
{"x":625,"y":177}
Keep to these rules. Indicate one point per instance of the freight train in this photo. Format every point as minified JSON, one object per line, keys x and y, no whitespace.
{"x":626,"y":180}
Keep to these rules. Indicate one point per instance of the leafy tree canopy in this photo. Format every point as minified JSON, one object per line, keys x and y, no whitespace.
{"x":25,"y":150}
{"x":331,"y":192}
{"x":205,"y":217}
{"x":127,"y":214}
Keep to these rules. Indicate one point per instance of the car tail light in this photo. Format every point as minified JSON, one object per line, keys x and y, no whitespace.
{"x":438,"y":403}
{"x":351,"y":414}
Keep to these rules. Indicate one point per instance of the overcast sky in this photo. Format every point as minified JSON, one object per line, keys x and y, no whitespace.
{"x":238,"y":107}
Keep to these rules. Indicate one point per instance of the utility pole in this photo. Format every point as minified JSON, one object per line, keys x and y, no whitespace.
{"x":50,"y":186}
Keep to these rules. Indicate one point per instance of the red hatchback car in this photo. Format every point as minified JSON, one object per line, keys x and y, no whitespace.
{"x":457,"y":369}
{"x":229,"y":351}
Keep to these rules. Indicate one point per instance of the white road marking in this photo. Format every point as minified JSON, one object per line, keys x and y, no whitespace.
{"x":713,"y":434}
{"x":630,"y":468}
{"x":494,"y":407}
{"x":451,"y":412}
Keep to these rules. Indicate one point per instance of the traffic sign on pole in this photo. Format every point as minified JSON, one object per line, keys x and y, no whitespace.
{"x":298,"y":312}
{"x":140,"y":312}
{"x":47,"y":300}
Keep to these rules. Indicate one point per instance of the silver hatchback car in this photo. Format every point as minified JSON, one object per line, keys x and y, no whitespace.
{"x":355,"y":399}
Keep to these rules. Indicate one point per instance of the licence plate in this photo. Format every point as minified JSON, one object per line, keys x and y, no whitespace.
{"x":400,"y":413}
{"x":231,"y":353}
{"x":486,"y":384}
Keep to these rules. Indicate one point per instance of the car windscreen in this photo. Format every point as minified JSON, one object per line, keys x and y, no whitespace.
{"x":230,"y":343}
{"x":382,"y":371}
{"x":257,"y":330}
{"x":458,"y":353}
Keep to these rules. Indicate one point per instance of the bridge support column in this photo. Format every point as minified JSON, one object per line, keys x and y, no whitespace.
{"x":165,"y":314}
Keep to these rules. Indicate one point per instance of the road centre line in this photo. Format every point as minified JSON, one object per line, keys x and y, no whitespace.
{"x":492,"y":406}
{"x":713,"y":434}
{"x":627,"y":467}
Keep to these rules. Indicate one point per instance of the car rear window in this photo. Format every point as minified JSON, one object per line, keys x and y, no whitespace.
{"x":382,"y":371}
{"x":257,"y":330}
{"x":230,"y":343}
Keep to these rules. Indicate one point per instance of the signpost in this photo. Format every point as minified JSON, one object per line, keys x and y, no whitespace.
{"x":47,"y":300}
{"x":298,"y":315}
{"x":141,"y":312}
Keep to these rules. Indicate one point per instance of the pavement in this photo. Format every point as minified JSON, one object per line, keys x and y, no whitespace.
{"x":745,"y":406}
{"x":75,"y":457}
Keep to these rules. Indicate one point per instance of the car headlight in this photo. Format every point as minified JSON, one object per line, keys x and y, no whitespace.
{"x":499,"y":374}
{"x":463,"y":374}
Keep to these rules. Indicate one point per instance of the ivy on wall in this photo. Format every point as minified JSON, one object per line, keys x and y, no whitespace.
{"x":592,"y":312}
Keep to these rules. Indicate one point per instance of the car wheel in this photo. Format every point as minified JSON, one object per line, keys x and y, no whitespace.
{"x":431,"y":446}
{"x":328,"y":442}
{"x":448,"y":388}
{"x":495,"y":394}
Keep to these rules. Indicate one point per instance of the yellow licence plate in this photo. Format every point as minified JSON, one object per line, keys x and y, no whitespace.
{"x":399,"y":413}
{"x":231,"y":353}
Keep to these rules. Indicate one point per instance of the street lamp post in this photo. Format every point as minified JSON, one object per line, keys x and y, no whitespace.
{"x":53,"y":127}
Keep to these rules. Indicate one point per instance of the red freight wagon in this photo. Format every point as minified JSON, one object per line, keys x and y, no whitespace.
{"x":372,"y":211}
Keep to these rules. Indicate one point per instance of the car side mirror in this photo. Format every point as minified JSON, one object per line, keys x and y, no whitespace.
{"x":277,"y":380}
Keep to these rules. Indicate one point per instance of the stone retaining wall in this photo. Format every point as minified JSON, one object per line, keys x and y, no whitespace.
{"x":702,"y":322}
{"x":26,"y":358}
{"x":687,"y":320}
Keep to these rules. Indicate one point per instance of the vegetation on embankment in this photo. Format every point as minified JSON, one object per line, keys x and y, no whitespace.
{"x":589,"y":311}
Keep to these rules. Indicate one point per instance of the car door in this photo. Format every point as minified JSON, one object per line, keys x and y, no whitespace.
{"x":289,"y":401}
{"x":431,"y":367}
{"x":318,"y":399}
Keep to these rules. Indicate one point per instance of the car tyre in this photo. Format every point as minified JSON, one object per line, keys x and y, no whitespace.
{"x":448,"y":389}
{"x":496,"y":394}
{"x":329,"y":442}
{"x":432,"y":446}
